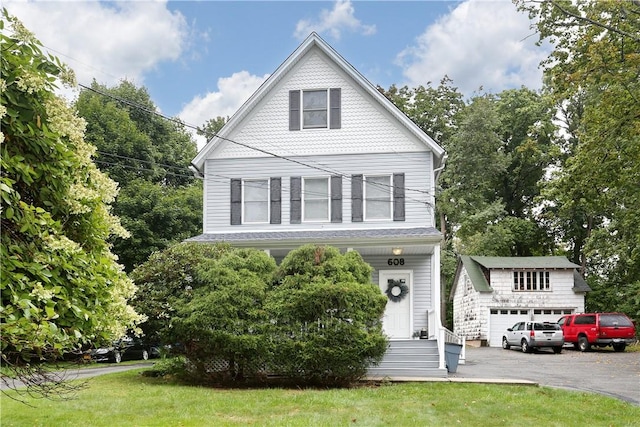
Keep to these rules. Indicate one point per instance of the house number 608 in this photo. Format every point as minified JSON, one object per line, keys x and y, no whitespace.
{"x":395,"y":261}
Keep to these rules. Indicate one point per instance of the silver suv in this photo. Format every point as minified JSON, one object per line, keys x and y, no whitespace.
{"x":532,"y":335}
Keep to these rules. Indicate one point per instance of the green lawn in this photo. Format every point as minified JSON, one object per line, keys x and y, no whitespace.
{"x":130,"y":399}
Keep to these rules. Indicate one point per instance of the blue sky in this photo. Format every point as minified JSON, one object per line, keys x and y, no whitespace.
{"x":203,"y":59}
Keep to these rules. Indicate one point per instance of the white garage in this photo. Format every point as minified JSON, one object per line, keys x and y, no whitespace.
{"x":503,"y":318}
{"x":491,"y":294}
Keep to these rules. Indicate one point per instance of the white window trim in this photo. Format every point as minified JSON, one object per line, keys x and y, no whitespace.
{"x":327,"y":109}
{"x":365,"y":198}
{"x":539,"y":274}
{"x":244,"y":215}
{"x":304,"y":201}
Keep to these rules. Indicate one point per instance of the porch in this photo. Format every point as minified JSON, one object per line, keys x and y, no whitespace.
{"x":418,"y":358}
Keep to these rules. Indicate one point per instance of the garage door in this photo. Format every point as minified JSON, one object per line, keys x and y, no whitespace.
{"x":501,"y":319}
{"x":550,"y":315}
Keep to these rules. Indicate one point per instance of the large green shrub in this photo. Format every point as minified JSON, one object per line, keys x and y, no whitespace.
{"x":61,"y":286}
{"x":223,"y":322}
{"x":166,"y":278}
{"x":237,"y":316}
{"x":326,"y":313}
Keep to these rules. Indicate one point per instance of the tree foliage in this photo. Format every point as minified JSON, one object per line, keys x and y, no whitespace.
{"x":314,"y":319}
{"x":61,"y":285}
{"x":594,"y":68}
{"x":148,"y":155}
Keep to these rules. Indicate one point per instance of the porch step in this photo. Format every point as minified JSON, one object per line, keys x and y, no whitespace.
{"x":409,"y":358}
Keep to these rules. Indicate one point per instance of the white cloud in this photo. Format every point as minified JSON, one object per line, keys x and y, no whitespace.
{"x":333,"y":22}
{"x":107,"y":41}
{"x":480,"y":43}
{"x":233,"y":92}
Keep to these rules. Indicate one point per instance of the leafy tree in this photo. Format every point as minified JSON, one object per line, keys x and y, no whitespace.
{"x":595,"y":57}
{"x":212,"y":127}
{"x":61,"y":285}
{"x":148,"y":155}
{"x":156,"y":216}
{"x":159,"y":149}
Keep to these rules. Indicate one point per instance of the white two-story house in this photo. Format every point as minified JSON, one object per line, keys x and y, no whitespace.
{"x":318,"y":155}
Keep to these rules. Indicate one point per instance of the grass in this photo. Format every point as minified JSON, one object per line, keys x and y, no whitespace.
{"x":127,"y":398}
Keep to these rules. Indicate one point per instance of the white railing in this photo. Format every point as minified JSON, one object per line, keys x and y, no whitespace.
{"x":442,"y":335}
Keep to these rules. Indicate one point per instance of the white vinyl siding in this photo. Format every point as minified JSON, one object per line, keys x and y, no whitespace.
{"x":377,"y":197}
{"x":315,"y":195}
{"x":416,"y":166}
{"x":255,"y":201}
{"x":367,"y":127}
{"x":422,"y":288}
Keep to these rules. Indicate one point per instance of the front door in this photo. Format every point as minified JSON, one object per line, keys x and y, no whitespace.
{"x":397,"y":287}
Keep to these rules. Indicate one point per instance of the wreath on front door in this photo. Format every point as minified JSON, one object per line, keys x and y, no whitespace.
{"x":397,"y":290}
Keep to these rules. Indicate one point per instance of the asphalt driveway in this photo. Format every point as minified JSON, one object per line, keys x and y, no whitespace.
{"x":601,"y":370}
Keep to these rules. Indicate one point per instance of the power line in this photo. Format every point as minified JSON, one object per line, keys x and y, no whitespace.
{"x":250,"y":147}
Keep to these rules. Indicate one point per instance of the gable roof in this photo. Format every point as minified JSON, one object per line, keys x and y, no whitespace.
{"x":311,"y":42}
{"x":474,"y":265}
{"x":474,"y":271}
{"x":548,"y":262}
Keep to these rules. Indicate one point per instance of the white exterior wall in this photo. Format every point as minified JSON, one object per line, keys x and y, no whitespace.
{"x":421,"y":290}
{"x":468,"y":318}
{"x":366,"y":128}
{"x":416,"y":167}
{"x":471,"y":309}
{"x":559,"y":296}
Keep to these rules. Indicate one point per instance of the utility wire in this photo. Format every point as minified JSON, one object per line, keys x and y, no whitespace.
{"x":250,"y":147}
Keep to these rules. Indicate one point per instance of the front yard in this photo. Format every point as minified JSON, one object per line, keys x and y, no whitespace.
{"x":129,"y":399}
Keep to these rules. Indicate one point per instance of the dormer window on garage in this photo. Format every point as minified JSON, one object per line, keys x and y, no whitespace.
{"x":315,"y":109}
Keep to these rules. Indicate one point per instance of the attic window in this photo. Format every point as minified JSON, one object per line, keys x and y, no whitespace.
{"x":320,"y":109}
{"x":529,"y":281}
{"x":314,"y":109}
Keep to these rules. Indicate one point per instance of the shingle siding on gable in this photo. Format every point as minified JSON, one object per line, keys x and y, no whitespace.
{"x":415,"y":166}
{"x":365,"y":126}
{"x":467,"y":318}
{"x":560,"y":295}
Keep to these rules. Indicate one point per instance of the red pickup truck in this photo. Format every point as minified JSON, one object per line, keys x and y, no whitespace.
{"x":598,"y":329}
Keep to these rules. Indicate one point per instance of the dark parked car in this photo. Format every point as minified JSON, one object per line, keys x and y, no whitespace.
{"x":125,"y":349}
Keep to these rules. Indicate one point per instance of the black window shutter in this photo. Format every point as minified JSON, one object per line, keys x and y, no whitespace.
{"x":276,"y":201}
{"x":356,"y":198}
{"x":296,"y":200}
{"x":236,"y":201}
{"x":294,"y":110}
{"x":336,"y":198}
{"x":398,"y":197}
{"x":335,"y":100}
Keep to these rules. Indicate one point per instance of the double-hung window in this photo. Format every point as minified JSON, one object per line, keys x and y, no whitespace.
{"x":255,"y":200}
{"x":315,"y":109}
{"x":377,"y":197}
{"x":316,"y":199}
